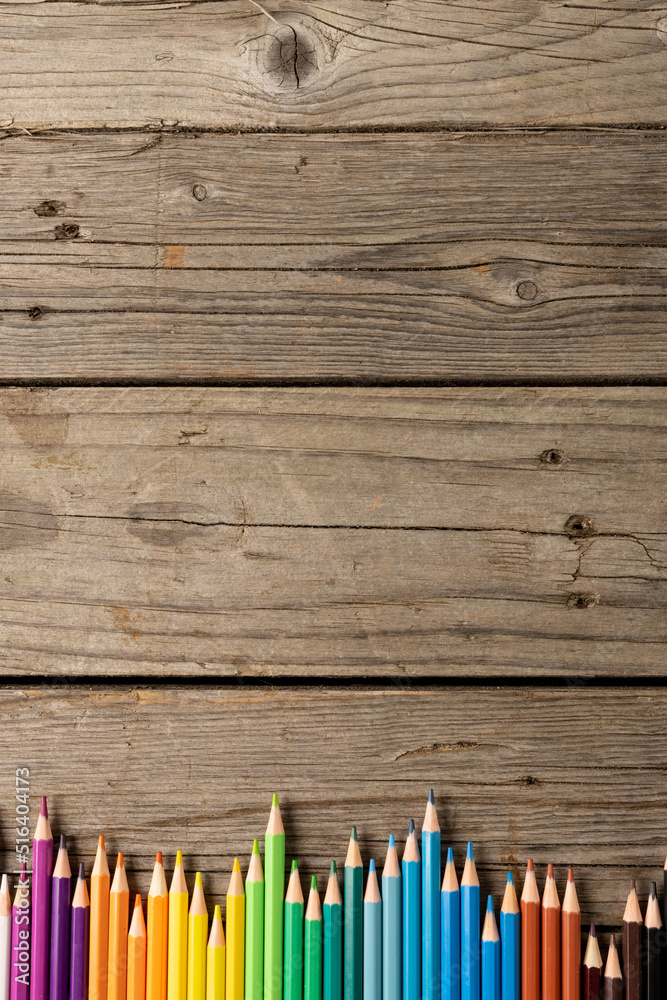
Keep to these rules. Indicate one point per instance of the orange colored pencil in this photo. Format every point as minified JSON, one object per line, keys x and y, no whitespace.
{"x":136,"y":954}
{"x":119,"y":907}
{"x":571,"y":941}
{"x":550,"y":939}
{"x":530,"y":936}
{"x":99,"y":925}
{"x":158,"y":933}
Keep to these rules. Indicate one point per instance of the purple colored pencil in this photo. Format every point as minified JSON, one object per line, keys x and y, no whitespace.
{"x":78,"y":981}
{"x":42,"y":865}
{"x":61,"y":891}
{"x":19,"y":988}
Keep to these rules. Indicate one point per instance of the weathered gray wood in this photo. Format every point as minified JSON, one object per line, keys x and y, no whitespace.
{"x":565,"y":775}
{"x":333,"y":532}
{"x":349,"y":63}
{"x":251,"y":257}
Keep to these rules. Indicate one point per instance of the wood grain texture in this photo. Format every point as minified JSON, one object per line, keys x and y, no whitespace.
{"x":333,"y":532}
{"x":333,"y":65}
{"x":564,"y":775}
{"x":488,"y":256}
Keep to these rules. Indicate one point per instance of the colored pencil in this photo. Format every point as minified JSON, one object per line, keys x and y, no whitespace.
{"x":470,"y":916}
{"x":235,"y":935}
{"x":653,"y":947}
{"x":431,"y":902}
{"x":100,"y":884}
{"x":119,"y":914}
{"x":40,"y":942}
{"x":274,"y":890}
{"x":254,"y":927}
{"x":293,"y":969}
{"x":613,"y":977}
{"x":215,"y":959}
{"x":332,"y":958}
{"x":197,"y":942}
{"x":530,"y":936}
{"x":633,"y":926}
{"x":510,"y":938}
{"x":412,"y":954}
{"x":312,"y":945}
{"x":570,"y":941}
{"x":550,"y":938}
{"x":391,"y":924}
{"x":136,"y":953}
{"x":5,"y":938}
{"x":177,"y":949}
{"x":157,"y":933}
{"x":61,"y":890}
{"x":353,"y":921}
{"x":592,"y":968}
{"x":79,"y":939}
{"x":490,"y":955}
{"x":19,"y":988}
{"x":372,"y":937}
{"x":450,"y":956}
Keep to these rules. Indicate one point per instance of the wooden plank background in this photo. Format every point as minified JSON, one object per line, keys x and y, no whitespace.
{"x":333,"y":363}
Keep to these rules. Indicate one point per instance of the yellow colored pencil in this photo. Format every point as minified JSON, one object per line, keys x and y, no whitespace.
{"x":197,"y":937}
{"x":119,"y":913}
{"x":158,"y":934}
{"x":235,"y":935}
{"x":177,"y":964}
{"x":136,"y":954}
{"x":215,"y":959}
{"x":99,"y":925}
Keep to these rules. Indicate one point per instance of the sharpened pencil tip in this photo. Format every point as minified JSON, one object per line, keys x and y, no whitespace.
{"x":275,"y":799}
{"x":392,"y":842}
{"x":489,"y":904}
{"x":332,"y":870}
{"x":450,"y":855}
{"x":82,"y":870}
{"x":411,"y":827}
{"x":592,"y":931}
{"x":137,"y":901}
{"x":652,"y":890}
{"x":353,"y":834}
{"x":313,"y":882}
{"x":530,"y":867}
{"x":570,"y":874}
{"x":44,"y":809}
{"x":295,"y":866}
{"x":255,"y":846}
{"x":100,"y":842}
{"x":431,"y":796}
{"x":198,"y":880}
{"x":469,"y":854}
{"x":63,"y":842}
{"x":236,"y":867}
{"x":371,"y":865}
{"x":550,"y":871}
{"x":158,"y":858}
{"x":632,"y":885}
{"x":179,"y":859}
{"x":120,"y":863}
{"x":510,"y":877}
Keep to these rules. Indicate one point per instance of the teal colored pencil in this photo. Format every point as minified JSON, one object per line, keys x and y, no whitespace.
{"x":293,"y":959}
{"x":332,"y":959}
{"x":412,"y":951}
{"x":510,"y":938}
{"x":353,"y":922}
{"x":392,"y":944}
{"x":431,"y":902}
{"x":450,"y":954}
{"x":490,"y":955}
{"x":470,"y":944}
{"x":372,"y":937}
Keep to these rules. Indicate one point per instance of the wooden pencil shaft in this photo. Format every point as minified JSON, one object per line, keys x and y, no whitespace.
{"x":632,"y":962}
{"x":592,"y":983}
{"x":274,"y":890}
{"x":653,"y":959}
{"x":332,"y":959}
{"x":353,"y":933}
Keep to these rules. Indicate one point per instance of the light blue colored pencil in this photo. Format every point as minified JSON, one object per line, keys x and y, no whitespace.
{"x":510,"y":937}
{"x":391,"y":925}
{"x":412,"y":931}
{"x":372,"y":937}
{"x":490,"y":955}
{"x":450,"y":952}
{"x":431,"y":902}
{"x":470,"y":943}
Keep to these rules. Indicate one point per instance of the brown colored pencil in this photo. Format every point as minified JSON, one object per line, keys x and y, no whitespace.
{"x":633,"y":927}
{"x":530,"y":936}
{"x":653,"y":939}
{"x":592,"y":967}
{"x":550,"y":939}
{"x":570,"y":941}
{"x":613,"y":977}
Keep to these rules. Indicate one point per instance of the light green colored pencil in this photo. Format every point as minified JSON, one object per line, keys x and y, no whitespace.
{"x":293,"y":969}
{"x":274,"y":890}
{"x":312,"y":961}
{"x":254,"y":927}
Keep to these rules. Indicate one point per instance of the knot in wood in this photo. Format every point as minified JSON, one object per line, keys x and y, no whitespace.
{"x":36,"y":312}
{"x":68,"y":231}
{"x":526,"y":290}
{"x":582,"y":600}
{"x":578,"y":525}
{"x":288,"y":58}
{"x":552,"y":456}
{"x":49,"y":208}
{"x":199,"y":192}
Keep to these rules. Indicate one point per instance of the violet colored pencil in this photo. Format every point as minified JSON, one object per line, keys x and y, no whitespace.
{"x":61,"y":890}
{"x":42,"y":866}
{"x":80,"y":940}
{"x":20,"y":980}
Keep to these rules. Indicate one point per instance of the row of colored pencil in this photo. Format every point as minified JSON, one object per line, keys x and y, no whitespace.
{"x":410,"y":936}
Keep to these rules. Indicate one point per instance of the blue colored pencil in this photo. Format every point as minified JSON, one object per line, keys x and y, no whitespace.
{"x":372,"y":937}
{"x":510,"y":937}
{"x":412,"y":931}
{"x":450,"y":954}
{"x":470,"y":944}
{"x":391,"y":925}
{"x":490,"y":955}
{"x":431,"y":902}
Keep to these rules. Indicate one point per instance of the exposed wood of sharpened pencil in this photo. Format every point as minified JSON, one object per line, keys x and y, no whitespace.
{"x":613,"y":977}
{"x":570,"y":941}
{"x":119,"y":915}
{"x":653,"y":947}
{"x":592,"y":977}
{"x":632,"y":931}
{"x":100,"y":884}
